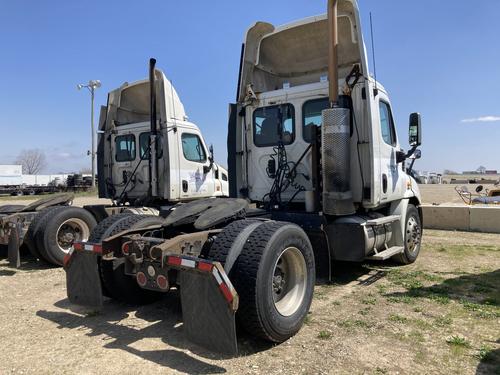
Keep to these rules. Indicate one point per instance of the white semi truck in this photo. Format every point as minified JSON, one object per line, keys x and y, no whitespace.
{"x":312,"y":145}
{"x":148,"y":161}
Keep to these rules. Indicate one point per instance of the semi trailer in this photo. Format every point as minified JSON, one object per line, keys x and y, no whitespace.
{"x":150,"y":157}
{"x":316,"y":175}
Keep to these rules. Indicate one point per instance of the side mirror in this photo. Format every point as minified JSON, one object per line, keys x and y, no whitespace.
{"x":211,"y":150}
{"x":416,"y":155}
{"x":415,"y":130}
{"x":479,"y":189}
{"x":208,"y":168}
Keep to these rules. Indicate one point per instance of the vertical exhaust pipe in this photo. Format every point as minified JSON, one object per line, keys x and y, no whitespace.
{"x":335,"y":134}
{"x":333,"y":59}
{"x":153,"y":162}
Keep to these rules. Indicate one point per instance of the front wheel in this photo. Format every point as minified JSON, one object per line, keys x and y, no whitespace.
{"x":274,"y":277}
{"x":412,"y":237}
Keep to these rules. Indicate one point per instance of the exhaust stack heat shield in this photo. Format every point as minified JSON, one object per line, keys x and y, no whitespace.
{"x":336,"y":162}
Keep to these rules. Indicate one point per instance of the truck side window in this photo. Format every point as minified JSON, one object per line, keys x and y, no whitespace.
{"x":125,"y":147}
{"x":266,"y":125}
{"x":311,"y":116}
{"x":387,"y":124}
{"x":193,"y":149}
{"x":224,"y":177}
{"x":144,"y":145}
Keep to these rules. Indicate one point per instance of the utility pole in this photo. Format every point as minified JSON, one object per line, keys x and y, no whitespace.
{"x":91,"y":86}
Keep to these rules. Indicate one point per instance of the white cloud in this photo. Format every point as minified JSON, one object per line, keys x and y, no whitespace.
{"x":483,"y":119}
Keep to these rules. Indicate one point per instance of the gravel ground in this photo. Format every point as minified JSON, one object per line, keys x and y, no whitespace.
{"x":440,"y":315}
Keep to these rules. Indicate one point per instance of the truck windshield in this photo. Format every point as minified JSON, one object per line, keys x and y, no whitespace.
{"x":272,"y":123}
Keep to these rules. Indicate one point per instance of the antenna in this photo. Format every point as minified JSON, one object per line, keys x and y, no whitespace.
{"x":373,"y":55}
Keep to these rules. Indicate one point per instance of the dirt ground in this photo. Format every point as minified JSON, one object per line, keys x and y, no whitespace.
{"x":440,"y":315}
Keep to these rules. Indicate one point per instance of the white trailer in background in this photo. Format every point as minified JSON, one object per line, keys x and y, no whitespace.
{"x":10,"y":175}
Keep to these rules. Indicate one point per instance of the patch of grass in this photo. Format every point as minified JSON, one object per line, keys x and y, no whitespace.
{"x":324,"y":335}
{"x":401,"y":299}
{"x":398,"y":318}
{"x":458,"y":341}
{"x":413,"y":279}
{"x":418,"y":309}
{"x":308,"y":319}
{"x":336,"y":303}
{"x":422,"y":324}
{"x":486,"y":311}
{"x":365,"y":311}
{"x":416,"y":336}
{"x":93,"y":313}
{"x":380,"y":370}
{"x":369,"y":300}
{"x":485,"y":353}
{"x":441,"y":299}
{"x":382,"y":288}
{"x":443,"y":321}
{"x":357,"y":323}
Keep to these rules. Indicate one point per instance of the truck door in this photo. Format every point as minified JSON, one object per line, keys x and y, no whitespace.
{"x":126,"y":156}
{"x":196,"y":182}
{"x":391,"y":172}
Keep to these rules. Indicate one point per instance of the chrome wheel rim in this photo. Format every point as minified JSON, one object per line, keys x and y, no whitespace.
{"x":289,"y":281}
{"x":70,"y":231}
{"x":413,"y":234}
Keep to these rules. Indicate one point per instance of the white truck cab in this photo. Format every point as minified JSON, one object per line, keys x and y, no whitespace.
{"x":184,"y":163}
{"x":284,"y":80}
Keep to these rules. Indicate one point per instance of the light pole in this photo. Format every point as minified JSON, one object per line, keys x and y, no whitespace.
{"x":91,"y":86}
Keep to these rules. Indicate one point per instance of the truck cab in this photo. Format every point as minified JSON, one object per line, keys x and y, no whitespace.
{"x":283,"y":89}
{"x":185,"y":166}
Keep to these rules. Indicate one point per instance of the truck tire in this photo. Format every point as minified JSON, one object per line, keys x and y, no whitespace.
{"x":60,"y":229}
{"x":274,"y":277}
{"x":412,"y":237}
{"x":29,"y":237}
{"x":231,"y":241}
{"x":98,"y":234}
{"x":116,"y":284}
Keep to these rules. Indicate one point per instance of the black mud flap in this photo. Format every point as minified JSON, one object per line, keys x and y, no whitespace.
{"x":83,"y":283}
{"x":13,"y":247}
{"x":209,"y":320}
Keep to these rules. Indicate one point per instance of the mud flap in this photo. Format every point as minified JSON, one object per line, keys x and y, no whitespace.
{"x":13,"y":247}
{"x":209,"y":320}
{"x":83,"y":283}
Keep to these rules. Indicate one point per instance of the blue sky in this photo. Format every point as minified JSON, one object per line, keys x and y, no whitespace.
{"x":440,"y":58}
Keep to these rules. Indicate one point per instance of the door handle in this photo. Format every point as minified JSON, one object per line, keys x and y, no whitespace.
{"x":384,"y":183}
{"x":185,"y":186}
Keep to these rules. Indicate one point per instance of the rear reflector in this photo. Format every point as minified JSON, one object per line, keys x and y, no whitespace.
{"x":126,"y":248}
{"x":162,"y":282}
{"x":141,"y":279}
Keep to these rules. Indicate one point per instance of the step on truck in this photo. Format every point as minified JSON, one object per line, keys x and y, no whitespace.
{"x":148,"y":161}
{"x":316,"y":175}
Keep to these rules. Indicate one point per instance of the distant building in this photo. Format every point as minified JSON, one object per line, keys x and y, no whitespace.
{"x":491,"y":171}
{"x":470,"y":172}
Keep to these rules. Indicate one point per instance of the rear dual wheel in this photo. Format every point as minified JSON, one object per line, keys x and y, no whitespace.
{"x":274,"y":276}
{"x":59,"y":228}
